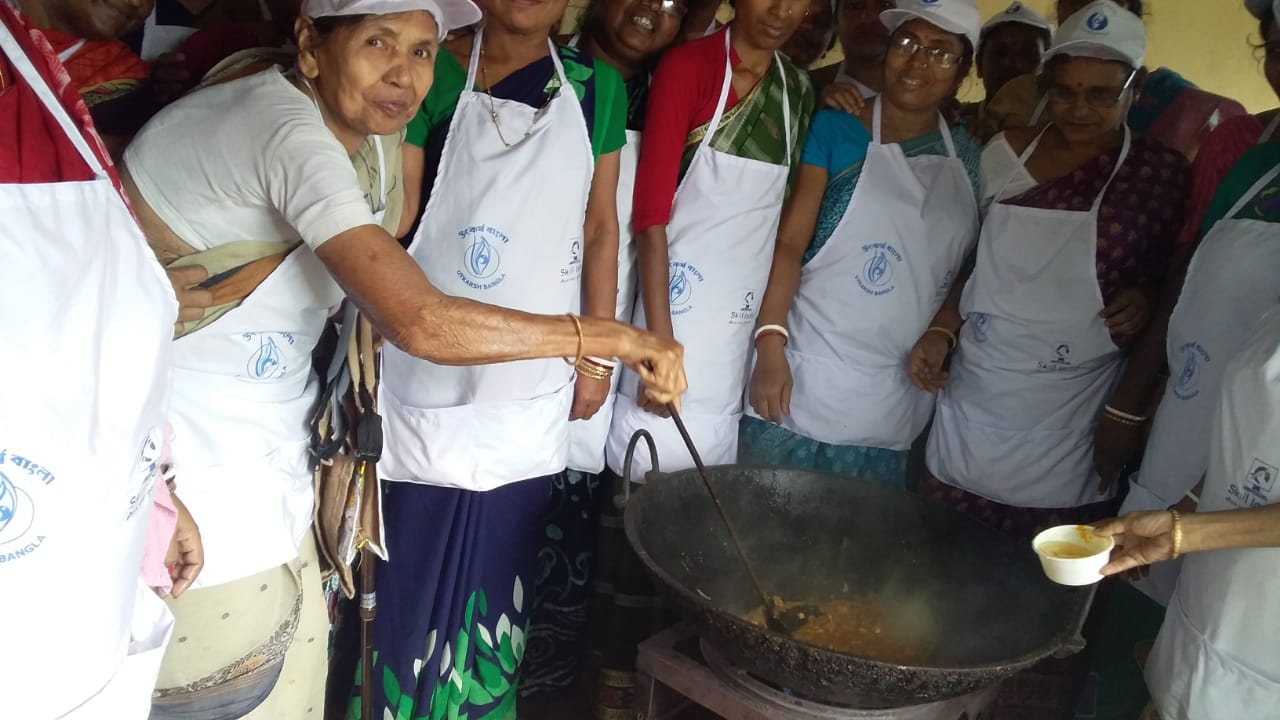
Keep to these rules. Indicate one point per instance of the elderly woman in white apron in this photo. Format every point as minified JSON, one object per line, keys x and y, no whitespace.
{"x":244,"y":384}
{"x":82,"y":419}
{"x":1068,"y":254}
{"x":629,"y":35}
{"x":884,"y":213}
{"x":1216,"y":655}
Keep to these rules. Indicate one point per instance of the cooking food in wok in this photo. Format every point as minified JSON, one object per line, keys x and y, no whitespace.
{"x":959,"y":606}
{"x":858,"y":626}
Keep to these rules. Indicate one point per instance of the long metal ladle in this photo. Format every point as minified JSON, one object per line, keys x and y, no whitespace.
{"x":775,"y":618}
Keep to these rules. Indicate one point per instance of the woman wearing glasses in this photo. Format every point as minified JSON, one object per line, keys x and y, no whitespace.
{"x":883,"y":214}
{"x":1074,"y":242}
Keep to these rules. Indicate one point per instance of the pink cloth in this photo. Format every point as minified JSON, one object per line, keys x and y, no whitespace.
{"x":164,"y":521}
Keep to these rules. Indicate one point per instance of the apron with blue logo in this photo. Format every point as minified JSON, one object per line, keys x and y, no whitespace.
{"x":1231,"y":280}
{"x":724,"y":220}
{"x":1015,"y":422}
{"x":870,"y":292}
{"x":1217,"y":655}
{"x":88,"y":319}
{"x":485,"y":426}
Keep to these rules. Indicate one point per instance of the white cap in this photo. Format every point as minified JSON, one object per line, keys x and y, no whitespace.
{"x":1022,"y":15}
{"x":1101,"y":30}
{"x":961,"y":17}
{"x":449,"y":14}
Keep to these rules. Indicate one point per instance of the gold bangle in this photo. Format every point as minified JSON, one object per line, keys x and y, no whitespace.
{"x":950,"y":335}
{"x":1177,"y":534}
{"x":577,"y":325}
{"x":594,"y":372}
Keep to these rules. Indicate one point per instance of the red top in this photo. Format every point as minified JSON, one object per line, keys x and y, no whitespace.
{"x":683,"y":95}
{"x":1223,"y":148}
{"x":33,"y":147}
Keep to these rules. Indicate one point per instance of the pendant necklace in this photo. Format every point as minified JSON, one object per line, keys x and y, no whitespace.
{"x":493,"y":110}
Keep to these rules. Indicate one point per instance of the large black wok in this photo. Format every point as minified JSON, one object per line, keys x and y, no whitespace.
{"x":978,"y":599}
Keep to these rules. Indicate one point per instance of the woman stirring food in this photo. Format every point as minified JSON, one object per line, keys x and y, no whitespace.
{"x":1072,"y":245}
{"x":726,"y":116}
{"x":243,"y":387}
{"x":883,"y":214}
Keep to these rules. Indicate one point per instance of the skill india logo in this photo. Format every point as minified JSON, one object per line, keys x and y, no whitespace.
{"x":1097,"y":22}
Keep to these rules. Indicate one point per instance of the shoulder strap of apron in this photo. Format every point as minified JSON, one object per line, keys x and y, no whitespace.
{"x":1124,"y":155}
{"x":474,"y":65}
{"x":1270,"y":129}
{"x":943,"y":130}
{"x":24,"y":66}
{"x":1039,"y":111}
{"x":70,"y":52}
{"x":1021,"y":163}
{"x":1252,"y":192}
{"x":382,"y":169}
{"x":786,"y":104}
{"x":724,"y":99}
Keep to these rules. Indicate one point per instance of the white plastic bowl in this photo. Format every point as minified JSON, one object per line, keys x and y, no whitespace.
{"x":1094,"y":551}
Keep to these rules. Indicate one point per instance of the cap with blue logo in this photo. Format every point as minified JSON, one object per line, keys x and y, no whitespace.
{"x":961,"y":17}
{"x":1022,"y":15}
{"x":1102,"y":30}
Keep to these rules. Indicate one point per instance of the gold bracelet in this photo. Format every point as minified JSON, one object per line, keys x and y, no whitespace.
{"x":950,"y":335}
{"x":1177,"y":534}
{"x":577,"y":325}
{"x":593,"y":371}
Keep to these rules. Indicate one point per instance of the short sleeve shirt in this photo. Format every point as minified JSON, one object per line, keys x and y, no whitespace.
{"x":249,"y":160}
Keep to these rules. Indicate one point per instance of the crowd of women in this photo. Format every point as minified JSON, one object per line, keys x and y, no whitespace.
{"x":1033,"y":308}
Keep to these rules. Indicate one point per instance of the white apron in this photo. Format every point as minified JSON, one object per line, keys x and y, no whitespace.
{"x":1035,"y":363}
{"x":160,"y":39}
{"x":587,"y":437}
{"x":1218,"y":654}
{"x":88,"y":319}
{"x":243,"y":393}
{"x":903,"y":237}
{"x":1230,"y":282}
{"x":724,"y":220}
{"x":485,"y":426}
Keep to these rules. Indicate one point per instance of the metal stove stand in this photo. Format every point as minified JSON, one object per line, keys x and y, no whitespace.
{"x":676,"y":670}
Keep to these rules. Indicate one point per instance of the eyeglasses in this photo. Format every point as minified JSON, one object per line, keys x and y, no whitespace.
{"x":674,"y":8}
{"x":908,"y":47}
{"x":1099,"y":98}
